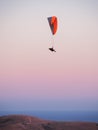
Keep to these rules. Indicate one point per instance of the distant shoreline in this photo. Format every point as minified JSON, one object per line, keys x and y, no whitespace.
{"x":82,"y":116}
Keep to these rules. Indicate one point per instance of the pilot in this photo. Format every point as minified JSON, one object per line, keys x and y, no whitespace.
{"x":52,"y":49}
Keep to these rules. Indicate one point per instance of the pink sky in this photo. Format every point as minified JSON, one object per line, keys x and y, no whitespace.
{"x":28,"y":71}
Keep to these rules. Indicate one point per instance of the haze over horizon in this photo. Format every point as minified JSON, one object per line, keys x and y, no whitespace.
{"x":31,"y":77}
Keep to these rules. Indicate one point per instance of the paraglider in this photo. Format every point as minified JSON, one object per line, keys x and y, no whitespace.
{"x":53,"y":26}
{"x":52,"y":49}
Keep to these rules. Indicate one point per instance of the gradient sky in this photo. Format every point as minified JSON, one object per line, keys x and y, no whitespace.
{"x":31,"y":77}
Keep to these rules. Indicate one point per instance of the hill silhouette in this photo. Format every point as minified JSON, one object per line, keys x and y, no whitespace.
{"x":23,"y":122}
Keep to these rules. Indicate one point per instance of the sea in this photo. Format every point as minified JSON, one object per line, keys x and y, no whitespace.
{"x":84,"y":116}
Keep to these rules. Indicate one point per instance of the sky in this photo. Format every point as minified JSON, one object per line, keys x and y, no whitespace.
{"x":32,"y":77}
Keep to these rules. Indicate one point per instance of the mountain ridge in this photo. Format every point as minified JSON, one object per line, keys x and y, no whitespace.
{"x":25,"y":122}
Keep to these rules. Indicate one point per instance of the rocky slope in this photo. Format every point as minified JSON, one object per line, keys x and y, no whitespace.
{"x":22,"y":122}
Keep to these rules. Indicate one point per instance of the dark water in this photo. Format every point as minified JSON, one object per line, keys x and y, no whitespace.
{"x":89,"y":116}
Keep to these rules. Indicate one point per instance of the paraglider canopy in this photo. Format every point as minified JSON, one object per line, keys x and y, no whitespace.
{"x":53,"y":24}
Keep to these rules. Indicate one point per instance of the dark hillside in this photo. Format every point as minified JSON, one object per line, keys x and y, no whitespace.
{"x":22,"y":122}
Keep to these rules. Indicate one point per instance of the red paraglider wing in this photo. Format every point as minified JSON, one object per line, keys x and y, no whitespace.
{"x":53,"y":24}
